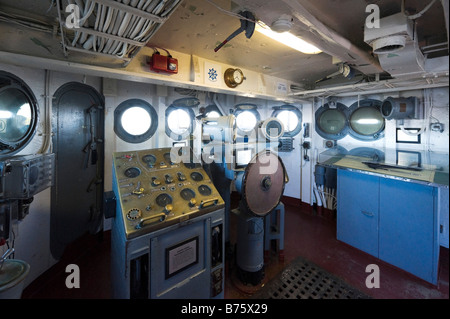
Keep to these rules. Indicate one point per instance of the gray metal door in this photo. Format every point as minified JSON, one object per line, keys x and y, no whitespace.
{"x":78,"y":135}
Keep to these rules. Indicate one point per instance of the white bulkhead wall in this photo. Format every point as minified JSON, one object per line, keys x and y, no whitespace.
{"x":33,"y":233}
{"x":32,"y":241}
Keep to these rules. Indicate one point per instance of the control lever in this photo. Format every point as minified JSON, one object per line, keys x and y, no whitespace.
{"x":168,"y":209}
{"x":168,"y":178}
{"x":208,"y":202}
{"x":155,"y":182}
{"x":161,"y":216}
{"x":192,"y":202}
{"x":138,"y":190}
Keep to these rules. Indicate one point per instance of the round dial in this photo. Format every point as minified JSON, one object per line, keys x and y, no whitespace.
{"x":187,"y":193}
{"x":233,"y":77}
{"x":196,"y":176}
{"x":133,"y":214}
{"x":204,"y":190}
{"x":163,"y":199}
{"x":238,"y":76}
{"x":149,"y":159}
{"x":132,"y":172}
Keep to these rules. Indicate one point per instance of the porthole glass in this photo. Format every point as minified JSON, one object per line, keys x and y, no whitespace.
{"x":211,"y":111}
{"x":135,"y":121}
{"x":246,"y":121}
{"x":15,"y":115}
{"x":366,"y":121}
{"x":291,"y":118}
{"x":213,"y":114}
{"x":331,"y":121}
{"x":179,"y":122}
{"x":18,"y":114}
{"x":247,"y":117}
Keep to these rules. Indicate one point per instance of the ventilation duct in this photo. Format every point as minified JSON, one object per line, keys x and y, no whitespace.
{"x":396,"y":44}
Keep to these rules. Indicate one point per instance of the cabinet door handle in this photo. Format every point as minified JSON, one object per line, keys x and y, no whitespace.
{"x":369,"y":214}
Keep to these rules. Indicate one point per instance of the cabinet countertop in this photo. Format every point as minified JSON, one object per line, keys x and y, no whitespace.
{"x":428,"y":174}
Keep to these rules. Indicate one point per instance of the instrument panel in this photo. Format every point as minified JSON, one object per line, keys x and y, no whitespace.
{"x":160,"y":187}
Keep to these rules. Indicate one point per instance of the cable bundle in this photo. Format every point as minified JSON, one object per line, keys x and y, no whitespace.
{"x":116,"y":28}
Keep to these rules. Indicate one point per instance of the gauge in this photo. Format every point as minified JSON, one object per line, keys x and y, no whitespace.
{"x":132,"y":172}
{"x":196,"y":176}
{"x":187,"y":194}
{"x":133,"y":214}
{"x":149,"y":159}
{"x":163,"y":199}
{"x":204,"y":190}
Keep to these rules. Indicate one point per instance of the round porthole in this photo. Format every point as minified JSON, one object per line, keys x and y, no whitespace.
{"x":331,"y":121}
{"x":179,"y":122}
{"x":366,"y":121}
{"x":135,"y":121}
{"x":247,"y":117}
{"x":212,"y":111}
{"x":18,"y":114}
{"x":291,"y":118}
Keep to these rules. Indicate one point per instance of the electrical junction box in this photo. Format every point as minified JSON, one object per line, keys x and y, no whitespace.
{"x":22,"y":177}
{"x":162,"y":63}
{"x":285,"y":144}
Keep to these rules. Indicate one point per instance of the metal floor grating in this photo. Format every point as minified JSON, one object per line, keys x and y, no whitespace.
{"x":304,"y":280}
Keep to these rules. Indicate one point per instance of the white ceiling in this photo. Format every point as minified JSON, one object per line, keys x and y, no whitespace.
{"x":197,"y":26}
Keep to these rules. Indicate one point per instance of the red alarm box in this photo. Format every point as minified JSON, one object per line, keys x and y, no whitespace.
{"x":162,"y":63}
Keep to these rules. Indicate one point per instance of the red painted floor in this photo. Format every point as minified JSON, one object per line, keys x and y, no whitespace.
{"x":306,"y":235}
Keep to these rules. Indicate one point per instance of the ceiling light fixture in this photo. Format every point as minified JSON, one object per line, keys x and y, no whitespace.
{"x":288,"y":39}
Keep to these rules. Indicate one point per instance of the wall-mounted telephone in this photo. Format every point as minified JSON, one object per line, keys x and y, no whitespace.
{"x":306,"y":132}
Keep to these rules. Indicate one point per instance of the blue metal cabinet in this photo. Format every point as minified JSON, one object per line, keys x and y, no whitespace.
{"x":408,"y":236}
{"x":443,"y":216}
{"x":393,"y":220}
{"x":357,"y":218}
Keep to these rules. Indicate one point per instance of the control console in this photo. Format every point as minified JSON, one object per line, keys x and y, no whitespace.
{"x":161,"y":187}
